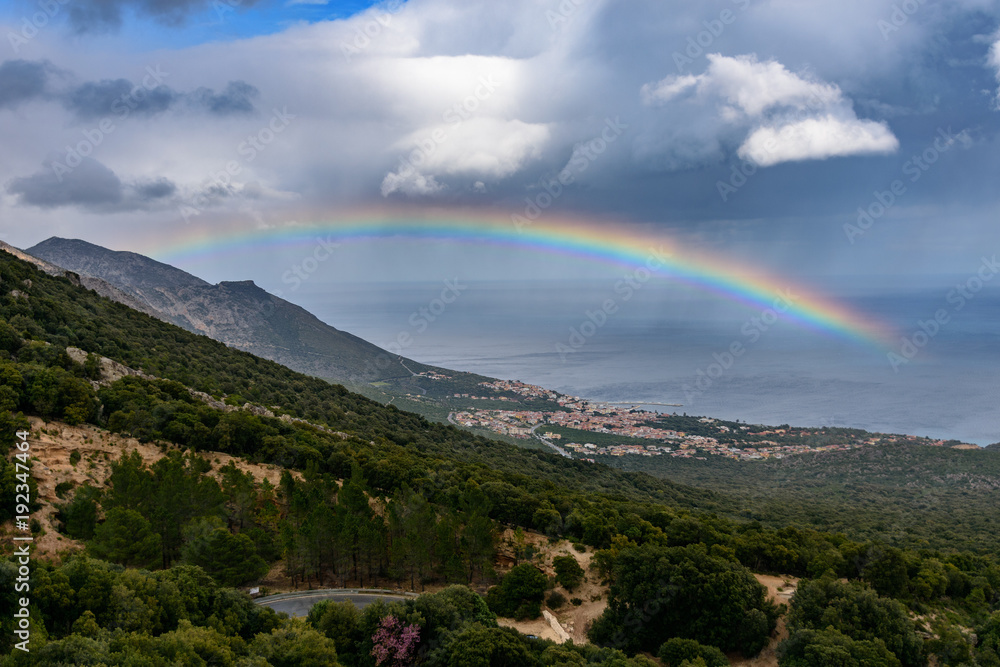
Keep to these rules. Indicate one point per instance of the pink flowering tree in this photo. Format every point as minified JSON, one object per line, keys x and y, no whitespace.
{"x":395,"y":642}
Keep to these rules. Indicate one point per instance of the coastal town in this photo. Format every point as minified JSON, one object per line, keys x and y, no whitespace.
{"x":642,"y":432}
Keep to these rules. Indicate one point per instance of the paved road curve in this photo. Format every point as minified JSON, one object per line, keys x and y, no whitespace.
{"x":299,"y":604}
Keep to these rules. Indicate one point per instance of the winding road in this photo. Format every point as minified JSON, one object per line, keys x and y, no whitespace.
{"x":559,"y":450}
{"x":299,"y":604}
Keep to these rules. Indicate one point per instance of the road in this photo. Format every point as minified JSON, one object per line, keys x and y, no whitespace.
{"x":548,"y":443}
{"x":299,"y":604}
{"x":423,"y":392}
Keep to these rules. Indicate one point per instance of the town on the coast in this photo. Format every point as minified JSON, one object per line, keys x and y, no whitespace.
{"x":583,"y":429}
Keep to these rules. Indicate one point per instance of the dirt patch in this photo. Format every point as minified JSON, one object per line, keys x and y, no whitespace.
{"x":51,"y":446}
{"x":538,"y":628}
{"x":574,"y":619}
{"x":779,"y":590}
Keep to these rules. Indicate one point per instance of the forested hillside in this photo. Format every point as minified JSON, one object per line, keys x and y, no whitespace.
{"x":905,"y":494}
{"x":385,"y":497}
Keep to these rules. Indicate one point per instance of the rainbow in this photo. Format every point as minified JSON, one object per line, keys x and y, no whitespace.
{"x":612,"y":243}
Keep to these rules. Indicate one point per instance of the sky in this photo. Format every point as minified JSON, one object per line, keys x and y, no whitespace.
{"x":830,"y":140}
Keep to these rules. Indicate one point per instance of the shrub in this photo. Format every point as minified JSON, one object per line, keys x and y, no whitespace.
{"x":689,"y":593}
{"x":519,"y":594}
{"x":676,"y":651}
{"x":569,"y":574}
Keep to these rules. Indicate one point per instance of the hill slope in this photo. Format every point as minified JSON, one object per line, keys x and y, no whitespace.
{"x":902,"y":493}
{"x":239,"y":314}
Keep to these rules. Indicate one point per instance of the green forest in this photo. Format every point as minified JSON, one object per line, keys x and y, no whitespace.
{"x":374,"y":496}
{"x":907,"y":495}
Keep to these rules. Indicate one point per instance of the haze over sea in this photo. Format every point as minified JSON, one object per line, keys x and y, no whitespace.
{"x":653,"y":347}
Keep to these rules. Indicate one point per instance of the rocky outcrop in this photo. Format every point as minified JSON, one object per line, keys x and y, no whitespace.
{"x":111,"y":370}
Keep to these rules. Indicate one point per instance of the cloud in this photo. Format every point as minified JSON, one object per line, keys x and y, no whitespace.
{"x":475,"y":150}
{"x":22,"y":80}
{"x":102,"y":98}
{"x":410,"y":182}
{"x":92,"y":186}
{"x":816,"y":138}
{"x":994,"y":60}
{"x":107,"y":15}
{"x":775,"y":115}
{"x":236,"y":98}
{"x":367,"y":89}
{"x":745,"y":84}
{"x":155,"y":189}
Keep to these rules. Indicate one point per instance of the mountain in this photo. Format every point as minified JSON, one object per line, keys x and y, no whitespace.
{"x":239,"y":314}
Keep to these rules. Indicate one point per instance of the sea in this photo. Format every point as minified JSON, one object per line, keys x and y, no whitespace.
{"x":672,"y":345}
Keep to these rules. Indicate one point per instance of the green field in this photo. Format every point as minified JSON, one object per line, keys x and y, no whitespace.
{"x":599,"y":439}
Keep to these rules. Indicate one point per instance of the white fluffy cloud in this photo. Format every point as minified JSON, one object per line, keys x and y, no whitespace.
{"x":994,"y":61}
{"x":816,"y":138}
{"x":475,"y":150}
{"x":776,"y":115}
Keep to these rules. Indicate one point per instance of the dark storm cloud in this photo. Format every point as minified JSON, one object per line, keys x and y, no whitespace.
{"x":157,"y":189}
{"x":107,"y":15}
{"x":102,"y":98}
{"x":236,"y":98}
{"x":22,"y":80}
{"x":91,"y":185}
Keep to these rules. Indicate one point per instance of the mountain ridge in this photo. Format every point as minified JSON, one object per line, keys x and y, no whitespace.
{"x":238,"y":313}
{"x":102,"y":287}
